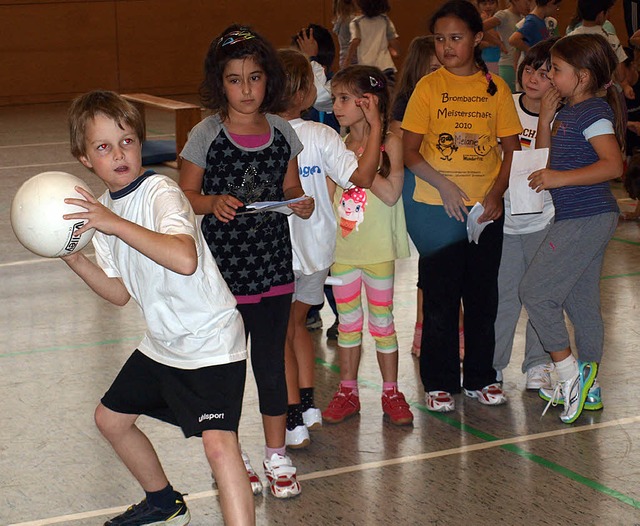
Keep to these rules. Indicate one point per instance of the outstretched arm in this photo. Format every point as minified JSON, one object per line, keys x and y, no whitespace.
{"x":176,"y":252}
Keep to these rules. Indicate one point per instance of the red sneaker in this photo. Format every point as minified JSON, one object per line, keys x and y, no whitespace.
{"x":345,"y":403}
{"x":396,"y":407}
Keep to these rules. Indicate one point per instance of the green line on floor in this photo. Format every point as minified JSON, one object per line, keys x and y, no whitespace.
{"x":637,"y":243}
{"x":631,"y":274}
{"x":507,"y":447}
{"x":573,"y":475}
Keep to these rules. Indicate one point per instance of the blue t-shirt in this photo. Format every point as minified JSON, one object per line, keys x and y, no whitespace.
{"x":571,"y":150}
{"x":534,"y":30}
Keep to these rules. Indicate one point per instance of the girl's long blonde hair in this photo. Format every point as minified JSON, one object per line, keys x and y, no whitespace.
{"x":299,"y":75}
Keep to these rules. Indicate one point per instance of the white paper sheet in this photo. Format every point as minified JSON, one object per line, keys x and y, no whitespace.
{"x":474,"y":229}
{"x":271,"y":206}
{"x":525,"y":200}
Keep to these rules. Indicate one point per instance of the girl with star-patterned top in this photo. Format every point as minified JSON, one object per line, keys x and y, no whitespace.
{"x":240,"y":155}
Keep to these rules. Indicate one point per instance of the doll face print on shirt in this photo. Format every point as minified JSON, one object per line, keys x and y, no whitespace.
{"x":351,"y":209}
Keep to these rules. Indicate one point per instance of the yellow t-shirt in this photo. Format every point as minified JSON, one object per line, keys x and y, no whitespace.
{"x":461,"y":124}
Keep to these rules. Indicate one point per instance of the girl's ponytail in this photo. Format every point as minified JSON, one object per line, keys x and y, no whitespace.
{"x":620,"y":117}
{"x":492,"y":88}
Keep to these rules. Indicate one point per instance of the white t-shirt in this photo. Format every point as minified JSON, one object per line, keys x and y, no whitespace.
{"x":508,"y":20}
{"x":374,"y":33}
{"x":191,"y":320}
{"x":611,"y":38}
{"x":527,"y":223}
{"x":324,"y":155}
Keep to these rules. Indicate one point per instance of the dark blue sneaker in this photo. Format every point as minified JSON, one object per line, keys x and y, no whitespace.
{"x":143,"y":514}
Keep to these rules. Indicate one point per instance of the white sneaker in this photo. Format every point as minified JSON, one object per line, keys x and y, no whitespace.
{"x":491,"y":394}
{"x":256,"y":484}
{"x":440,"y":401}
{"x":298,"y":437}
{"x":282,"y":476}
{"x":312,"y":418}
{"x":539,"y":377}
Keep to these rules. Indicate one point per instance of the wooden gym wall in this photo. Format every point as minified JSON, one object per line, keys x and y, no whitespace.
{"x":52,"y":50}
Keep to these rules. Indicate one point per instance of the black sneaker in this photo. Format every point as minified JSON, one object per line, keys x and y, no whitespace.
{"x":143,"y":514}
{"x":332,"y":332}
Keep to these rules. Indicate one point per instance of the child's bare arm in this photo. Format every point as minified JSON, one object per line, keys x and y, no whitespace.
{"x":364,"y":175}
{"x":453,"y":197}
{"x":292,"y":188}
{"x":388,"y":189}
{"x":175,"y":252}
{"x":394,"y":47}
{"x":517,"y":41}
{"x":111,"y":289}
{"x":351,"y":52}
{"x":223,"y":206}
{"x":493,"y":200}
{"x":608,"y":166}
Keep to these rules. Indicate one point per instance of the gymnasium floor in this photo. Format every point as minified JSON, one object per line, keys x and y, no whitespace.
{"x":61,"y":347}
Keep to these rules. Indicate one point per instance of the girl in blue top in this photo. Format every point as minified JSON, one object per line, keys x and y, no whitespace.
{"x":585,"y":154}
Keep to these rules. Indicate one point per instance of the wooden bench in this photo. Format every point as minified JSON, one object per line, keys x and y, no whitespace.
{"x":187,"y":116}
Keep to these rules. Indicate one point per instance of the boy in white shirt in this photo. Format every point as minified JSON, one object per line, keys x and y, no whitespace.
{"x":189,"y":370}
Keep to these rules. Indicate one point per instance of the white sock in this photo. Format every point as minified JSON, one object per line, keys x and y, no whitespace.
{"x":567,"y":368}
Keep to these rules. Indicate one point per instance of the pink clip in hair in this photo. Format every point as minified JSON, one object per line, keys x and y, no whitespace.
{"x":488,"y":77}
{"x":608,"y":85}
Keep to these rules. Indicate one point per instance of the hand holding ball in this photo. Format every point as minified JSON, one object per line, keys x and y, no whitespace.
{"x":37,"y":210}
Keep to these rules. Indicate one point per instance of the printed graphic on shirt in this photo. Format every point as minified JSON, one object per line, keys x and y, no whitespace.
{"x":307,"y":171}
{"x":446,"y":146}
{"x":351,"y":209}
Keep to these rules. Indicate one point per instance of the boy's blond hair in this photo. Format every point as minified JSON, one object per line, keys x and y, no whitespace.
{"x":108,"y":103}
{"x":299,"y":73}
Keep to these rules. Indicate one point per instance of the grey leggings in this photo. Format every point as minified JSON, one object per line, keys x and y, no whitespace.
{"x":564,"y":276}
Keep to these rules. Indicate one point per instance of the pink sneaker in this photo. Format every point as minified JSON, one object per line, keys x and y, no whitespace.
{"x":345,"y":403}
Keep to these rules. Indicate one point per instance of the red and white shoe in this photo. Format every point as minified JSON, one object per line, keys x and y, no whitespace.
{"x":491,"y":394}
{"x":281,"y":476}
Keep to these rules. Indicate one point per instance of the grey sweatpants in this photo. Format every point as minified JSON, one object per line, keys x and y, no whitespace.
{"x":518,"y":251}
{"x":564,"y":275}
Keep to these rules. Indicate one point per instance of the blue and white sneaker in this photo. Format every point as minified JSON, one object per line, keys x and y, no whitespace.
{"x":573,"y":392}
{"x":592,"y":403}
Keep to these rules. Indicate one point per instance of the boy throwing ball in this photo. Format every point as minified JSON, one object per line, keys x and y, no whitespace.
{"x":189,"y":369}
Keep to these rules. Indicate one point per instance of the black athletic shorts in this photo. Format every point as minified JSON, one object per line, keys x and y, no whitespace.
{"x":194,"y":399}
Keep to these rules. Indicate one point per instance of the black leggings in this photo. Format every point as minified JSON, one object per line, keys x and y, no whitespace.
{"x":266,"y":322}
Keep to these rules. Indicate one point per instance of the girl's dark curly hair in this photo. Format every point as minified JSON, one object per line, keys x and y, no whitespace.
{"x":238,"y":42}
{"x":359,"y":80}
